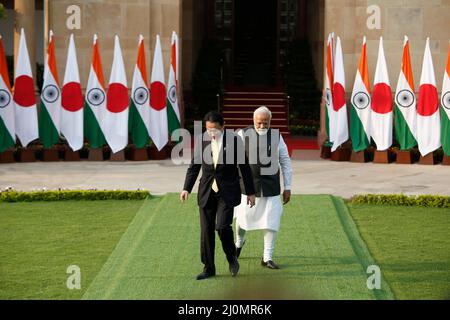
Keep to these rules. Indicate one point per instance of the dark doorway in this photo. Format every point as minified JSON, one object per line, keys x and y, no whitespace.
{"x":255,"y":42}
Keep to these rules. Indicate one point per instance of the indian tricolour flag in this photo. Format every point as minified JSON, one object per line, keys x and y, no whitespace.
{"x":25,"y":111}
{"x":72,"y":101}
{"x":381,"y":116}
{"x":139,"y":119}
{"x":116,"y":115}
{"x":50,"y":111}
{"x":445,"y":110}
{"x":339,"y":105}
{"x":173,"y":110}
{"x":7,"y":127}
{"x":405,"y":104}
{"x":428,"y":120}
{"x":158,"y":112}
{"x":361,"y":101}
{"x":329,"y":121}
{"x":95,"y":101}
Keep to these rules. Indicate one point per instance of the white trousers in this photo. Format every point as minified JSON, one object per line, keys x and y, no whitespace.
{"x":269,"y":241}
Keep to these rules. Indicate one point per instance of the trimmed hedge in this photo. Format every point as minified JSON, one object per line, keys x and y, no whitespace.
{"x":58,"y":195}
{"x":429,"y":201}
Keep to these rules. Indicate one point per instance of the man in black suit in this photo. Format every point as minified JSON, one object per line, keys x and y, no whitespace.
{"x":219,"y":189}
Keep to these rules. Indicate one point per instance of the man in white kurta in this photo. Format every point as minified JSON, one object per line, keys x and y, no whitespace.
{"x":268,"y":209}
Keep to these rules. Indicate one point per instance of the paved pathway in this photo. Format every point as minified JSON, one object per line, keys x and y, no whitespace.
{"x":311,"y":175}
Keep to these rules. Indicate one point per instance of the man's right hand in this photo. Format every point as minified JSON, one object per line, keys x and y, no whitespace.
{"x":251,"y":200}
{"x":184,"y":195}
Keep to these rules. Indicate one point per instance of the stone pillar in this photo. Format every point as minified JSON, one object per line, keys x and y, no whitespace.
{"x":24,"y":18}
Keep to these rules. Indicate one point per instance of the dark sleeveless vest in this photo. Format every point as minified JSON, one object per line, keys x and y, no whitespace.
{"x":269,"y":184}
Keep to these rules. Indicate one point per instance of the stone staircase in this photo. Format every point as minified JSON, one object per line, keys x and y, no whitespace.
{"x":239,"y":105}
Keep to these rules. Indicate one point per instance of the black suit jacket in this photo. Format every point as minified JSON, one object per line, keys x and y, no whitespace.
{"x":226,"y":172}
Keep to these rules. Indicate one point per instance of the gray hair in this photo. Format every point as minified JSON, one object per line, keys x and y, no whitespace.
{"x":264,"y":110}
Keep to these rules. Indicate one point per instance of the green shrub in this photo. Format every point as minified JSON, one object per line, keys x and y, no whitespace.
{"x":304,"y":130}
{"x":2,"y":12}
{"x":58,"y":195}
{"x":428,"y":201}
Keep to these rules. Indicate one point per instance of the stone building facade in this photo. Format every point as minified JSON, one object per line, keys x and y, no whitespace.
{"x":192,"y":20}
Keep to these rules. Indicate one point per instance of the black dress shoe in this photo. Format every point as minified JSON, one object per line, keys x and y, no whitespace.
{"x":238,"y":250}
{"x":269,"y":264}
{"x":234,"y":267}
{"x":205,"y":275}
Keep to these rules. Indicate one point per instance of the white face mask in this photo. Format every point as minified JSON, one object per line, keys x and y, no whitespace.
{"x":262,"y":132}
{"x":214,"y":133}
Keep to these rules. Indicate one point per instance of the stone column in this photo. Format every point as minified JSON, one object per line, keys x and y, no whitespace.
{"x":24,"y":18}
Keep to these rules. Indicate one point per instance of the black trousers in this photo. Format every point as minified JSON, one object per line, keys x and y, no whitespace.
{"x":216,"y":215}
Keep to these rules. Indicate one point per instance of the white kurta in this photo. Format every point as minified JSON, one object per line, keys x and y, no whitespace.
{"x":267,"y":211}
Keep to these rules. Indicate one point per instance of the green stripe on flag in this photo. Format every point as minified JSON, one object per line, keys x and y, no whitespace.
{"x":136,"y":126}
{"x":403,"y":134}
{"x":48,"y":133}
{"x":445,"y":132}
{"x":358,"y":135}
{"x":172,"y":120}
{"x":327,"y":143}
{"x":6,"y":141}
{"x":92,"y":130}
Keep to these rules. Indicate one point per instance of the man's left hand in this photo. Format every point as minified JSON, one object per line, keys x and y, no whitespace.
{"x":286,"y":196}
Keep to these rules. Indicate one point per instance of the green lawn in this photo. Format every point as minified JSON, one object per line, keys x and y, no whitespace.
{"x":150,"y":250}
{"x":158,"y":258}
{"x":411,"y":245}
{"x":39,"y":240}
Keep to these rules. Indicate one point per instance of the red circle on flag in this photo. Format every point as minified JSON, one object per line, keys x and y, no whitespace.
{"x":338,"y":96}
{"x":72,"y":97}
{"x":117,"y":98}
{"x":428,"y":101}
{"x":24,"y":91}
{"x":382,"y":98}
{"x":157,"y":95}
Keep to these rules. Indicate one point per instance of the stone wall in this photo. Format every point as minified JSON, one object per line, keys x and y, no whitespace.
{"x":418,"y":19}
{"x":107,"y":18}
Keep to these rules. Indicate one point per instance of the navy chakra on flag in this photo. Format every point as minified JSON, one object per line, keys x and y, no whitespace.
{"x":405,"y":98}
{"x":446,"y":100}
{"x":5,"y":98}
{"x":361,"y":100}
{"x":328,"y":97}
{"x":173,"y":94}
{"x":140,"y":96}
{"x":50,"y":93}
{"x":96,"y":97}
